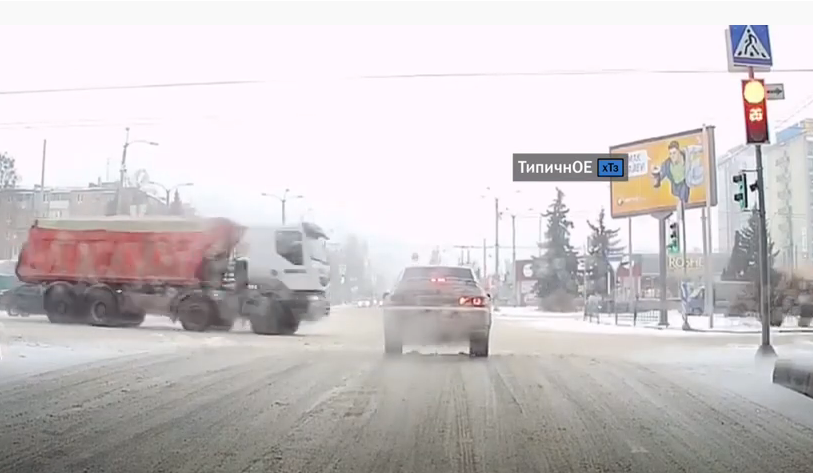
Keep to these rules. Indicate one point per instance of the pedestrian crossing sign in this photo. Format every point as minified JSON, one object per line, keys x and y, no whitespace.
{"x":749,"y":46}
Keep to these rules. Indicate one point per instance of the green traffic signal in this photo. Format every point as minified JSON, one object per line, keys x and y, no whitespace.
{"x":674,"y":238}
{"x":741,"y":196}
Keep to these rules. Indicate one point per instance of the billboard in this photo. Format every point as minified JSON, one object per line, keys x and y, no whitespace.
{"x":664,"y":169}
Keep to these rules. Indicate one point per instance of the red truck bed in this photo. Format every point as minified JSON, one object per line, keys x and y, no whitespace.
{"x":124,"y":250}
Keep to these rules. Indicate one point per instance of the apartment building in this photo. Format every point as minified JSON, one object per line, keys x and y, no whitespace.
{"x":788,"y":165}
{"x":19,"y":208}
{"x":788,"y":171}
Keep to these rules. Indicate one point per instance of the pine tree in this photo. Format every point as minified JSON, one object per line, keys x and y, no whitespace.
{"x":743,"y":264}
{"x":557,"y":268}
{"x":603,"y":245}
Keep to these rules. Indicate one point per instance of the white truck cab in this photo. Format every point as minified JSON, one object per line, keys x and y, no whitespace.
{"x":292,"y":261}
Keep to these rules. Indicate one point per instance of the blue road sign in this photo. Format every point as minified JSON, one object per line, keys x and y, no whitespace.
{"x":750,"y":46}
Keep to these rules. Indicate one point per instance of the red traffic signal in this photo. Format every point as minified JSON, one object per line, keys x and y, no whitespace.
{"x":756,"y":111}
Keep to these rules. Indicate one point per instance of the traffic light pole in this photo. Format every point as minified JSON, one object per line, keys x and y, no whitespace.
{"x":682,"y":210}
{"x":663,"y":317}
{"x":765,"y":348}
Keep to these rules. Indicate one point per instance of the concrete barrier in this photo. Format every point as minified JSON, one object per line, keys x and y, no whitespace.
{"x":796,"y":375}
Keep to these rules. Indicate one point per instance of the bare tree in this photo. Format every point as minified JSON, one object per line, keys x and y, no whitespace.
{"x":8,"y":172}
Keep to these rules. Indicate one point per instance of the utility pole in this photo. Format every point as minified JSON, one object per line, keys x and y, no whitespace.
{"x":123,"y":169}
{"x":485,"y":259}
{"x":41,"y":206}
{"x":514,"y":257}
{"x":122,"y":172}
{"x":497,"y":249}
{"x":283,"y":200}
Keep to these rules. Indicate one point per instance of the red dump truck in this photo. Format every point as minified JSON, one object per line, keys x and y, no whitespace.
{"x":111,"y":271}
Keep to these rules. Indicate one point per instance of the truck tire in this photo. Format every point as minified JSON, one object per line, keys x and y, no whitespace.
{"x":478,"y":346}
{"x":196,"y":312}
{"x":102,"y":306}
{"x":277,"y":320}
{"x":61,"y":304}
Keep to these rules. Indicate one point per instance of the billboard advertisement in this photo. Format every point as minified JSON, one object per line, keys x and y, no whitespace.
{"x":664,"y":169}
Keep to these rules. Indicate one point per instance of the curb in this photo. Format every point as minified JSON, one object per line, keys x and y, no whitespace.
{"x":794,"y":375}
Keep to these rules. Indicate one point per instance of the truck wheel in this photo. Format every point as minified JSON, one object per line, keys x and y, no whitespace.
{"x":196,"y":313}
{"x":102,"y":306}
{"x":289,"y":324}
{"x":478,"y":346}
{"x":268,"y":323}
{"x":61,"y":304}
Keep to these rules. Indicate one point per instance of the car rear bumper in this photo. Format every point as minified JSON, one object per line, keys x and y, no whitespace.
{"x":437,"y":324}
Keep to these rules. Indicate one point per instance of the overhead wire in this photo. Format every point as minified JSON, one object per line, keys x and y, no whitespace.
{"x":83,"y":123}
{"x":427,"y":75}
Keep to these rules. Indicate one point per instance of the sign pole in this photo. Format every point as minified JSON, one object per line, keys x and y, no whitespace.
{"x":708,"y":271}
{"x":685,"y":280}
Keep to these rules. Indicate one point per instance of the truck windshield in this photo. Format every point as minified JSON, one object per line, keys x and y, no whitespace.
{"x":289,"y":246}
{"x":317,"y":248}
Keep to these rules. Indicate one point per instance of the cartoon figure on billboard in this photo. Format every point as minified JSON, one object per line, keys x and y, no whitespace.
{"x":683,"y":168}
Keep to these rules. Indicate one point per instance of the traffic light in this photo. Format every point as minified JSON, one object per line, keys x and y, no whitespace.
{"x":756,"y":111}
{"x":674,"y":238}
{"x":741,"y":195}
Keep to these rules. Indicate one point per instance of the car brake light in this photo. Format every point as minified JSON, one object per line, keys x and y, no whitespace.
{"x":438,"y":280}
{"x":472,"y":301}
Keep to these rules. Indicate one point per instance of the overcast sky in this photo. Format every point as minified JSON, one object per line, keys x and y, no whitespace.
{"x":404,"y":159}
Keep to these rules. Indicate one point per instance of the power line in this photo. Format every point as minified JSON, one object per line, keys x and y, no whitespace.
{"x":428,"y":75}
{"x":167,"y":85}
{"x":586,"y":72}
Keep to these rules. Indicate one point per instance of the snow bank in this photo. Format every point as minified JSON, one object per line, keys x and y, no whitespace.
{"x":533,"y":312}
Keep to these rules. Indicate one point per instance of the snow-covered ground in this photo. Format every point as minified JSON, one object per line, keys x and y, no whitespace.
{"x":31,"y":344}
{"x":646,"y":323}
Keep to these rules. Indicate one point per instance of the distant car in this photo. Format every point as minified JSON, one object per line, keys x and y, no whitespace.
{"x":363,"y":303}
{"x":437,"y":305}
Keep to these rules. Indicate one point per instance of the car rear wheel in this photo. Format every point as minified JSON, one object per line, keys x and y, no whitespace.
{"x":478,"y":346}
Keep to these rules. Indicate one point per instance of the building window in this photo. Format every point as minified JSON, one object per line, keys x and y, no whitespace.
{"x":80,"y":197}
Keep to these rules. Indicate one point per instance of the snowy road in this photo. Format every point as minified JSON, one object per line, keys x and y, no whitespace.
{"x":161,"y":400}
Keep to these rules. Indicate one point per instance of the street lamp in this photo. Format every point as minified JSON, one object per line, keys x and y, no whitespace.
{"x":170,"y":190}
{"x":123,"y":171}
{"x":283,"y":200}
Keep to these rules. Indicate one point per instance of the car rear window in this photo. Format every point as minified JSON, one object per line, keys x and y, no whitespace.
{"x":438,"y":272}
